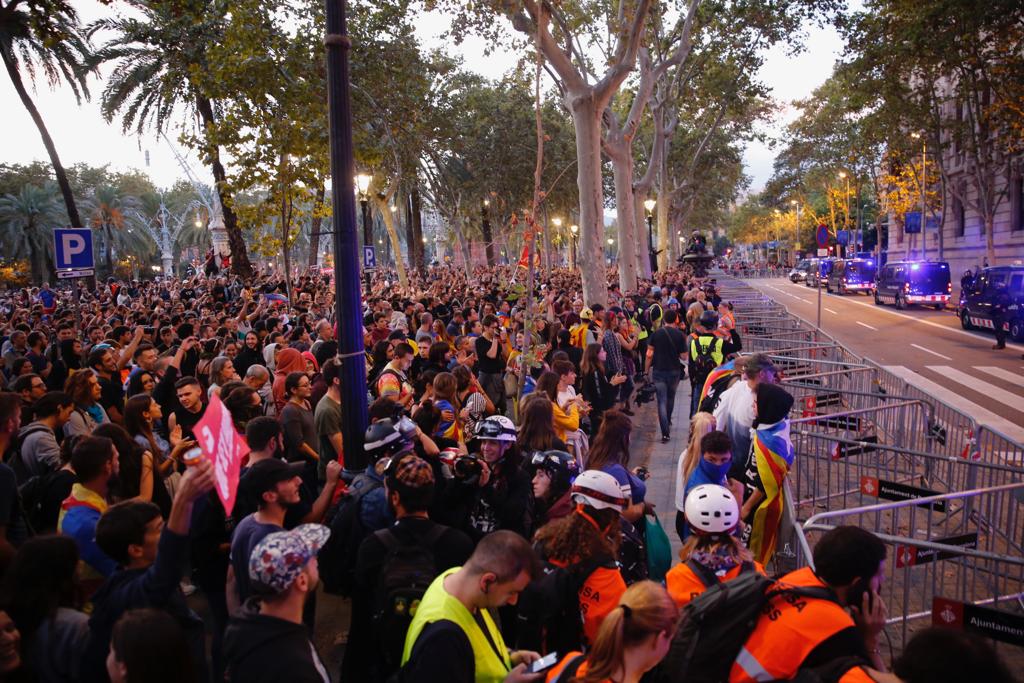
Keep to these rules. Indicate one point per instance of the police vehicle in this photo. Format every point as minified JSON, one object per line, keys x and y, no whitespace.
{"x":819,"y":271}
{"x":906,"y":283}
{"x":799,"y":272}
{"x":975,"y":307}
{"x":851,"y":275}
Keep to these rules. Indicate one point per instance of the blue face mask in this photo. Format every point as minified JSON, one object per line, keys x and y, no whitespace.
{"x":715,"y":473}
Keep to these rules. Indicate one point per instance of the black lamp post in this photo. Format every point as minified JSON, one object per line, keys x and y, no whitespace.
{"x":649,"y":204}
{"x":574,"y":229}
{"x":349,"y":310}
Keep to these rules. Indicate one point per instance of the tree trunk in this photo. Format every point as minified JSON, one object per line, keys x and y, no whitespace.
{"x":315,"y":225}
{"x":410,"y":238}
{"x":990,"y":247}
{"x":622,"y":168}
{"x":240,"y":263}
{"x":460,"y":237}
{"x":485,"y":230}
{"x":108,"y":249}
{"x":396,"y":246}
{"x":51,"y":149}
{"x":664,"y":197}
{"x":587,"y":121}
{"x":417,"y":230}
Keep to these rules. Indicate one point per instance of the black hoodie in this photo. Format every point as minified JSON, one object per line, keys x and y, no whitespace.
{"x":259,"y":648}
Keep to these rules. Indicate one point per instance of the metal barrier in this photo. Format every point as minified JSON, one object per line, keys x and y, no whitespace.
{"x":952,"y":490}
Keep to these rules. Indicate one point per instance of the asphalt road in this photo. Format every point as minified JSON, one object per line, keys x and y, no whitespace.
{"x":927,"y":348}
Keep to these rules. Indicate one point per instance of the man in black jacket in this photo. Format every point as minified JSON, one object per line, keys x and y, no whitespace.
{"x":267,"y":641}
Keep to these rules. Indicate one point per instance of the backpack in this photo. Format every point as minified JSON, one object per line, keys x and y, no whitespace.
{"x":704,"y":362}
{"x":716,"y":624}
{"x":549,"y":613}
{"x":16,"y":462}
{"x":32,"y":495}
{"x":374,"y":391}
{"x":407,"y":572}
{"x":632,"y":553}
{"x":338,"y":556}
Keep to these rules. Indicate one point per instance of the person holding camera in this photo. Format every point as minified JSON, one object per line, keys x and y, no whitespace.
{"x":490,"y":352}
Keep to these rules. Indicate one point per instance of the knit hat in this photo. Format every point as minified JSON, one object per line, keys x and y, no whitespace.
{"x":773,"y":403}
{"x":280,"y":557}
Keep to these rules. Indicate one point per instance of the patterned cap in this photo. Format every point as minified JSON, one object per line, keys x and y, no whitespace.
{"x":413,"y":471}
{"x":280,"y":557}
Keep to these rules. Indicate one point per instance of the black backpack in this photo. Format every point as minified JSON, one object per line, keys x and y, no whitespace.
{"x":704,"y":362}
{"x":337,"y":558}
{"x":632,"y":553}
{"x":549,"y":613}
{"x":21,"y":471}
{"x":716,"y":624}
{"x":33,"y":498}
{"x":407,"y":572}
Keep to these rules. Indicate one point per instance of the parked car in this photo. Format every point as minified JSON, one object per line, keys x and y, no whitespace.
{"x":975,"y":307}
{"x":906,"y":283}
{"x":818,"y":273}
{"x":851,"y":275}
{"x":799,"y":272}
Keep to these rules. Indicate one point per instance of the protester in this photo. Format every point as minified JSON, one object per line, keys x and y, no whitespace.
{"x":149,"y":645}
{"x":38,"y":450}
{"x":700,"y":424}
{"x":95,"y":462}
{"x":665,"y":357}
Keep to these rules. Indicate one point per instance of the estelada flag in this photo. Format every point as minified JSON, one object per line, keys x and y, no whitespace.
{"x":224,"y":448}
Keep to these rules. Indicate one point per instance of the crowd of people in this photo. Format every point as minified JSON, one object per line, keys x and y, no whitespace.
{"x":500,"y":531}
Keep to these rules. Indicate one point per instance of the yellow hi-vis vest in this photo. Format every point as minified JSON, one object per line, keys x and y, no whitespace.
{"x":438,"y":604}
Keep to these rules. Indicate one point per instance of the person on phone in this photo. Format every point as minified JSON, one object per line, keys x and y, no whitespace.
{"x":454,"y":618}
{"x":807,"y":632}
{"x":490,"y":352}
{"x":632,"y":640}
{"x":599,"y":391}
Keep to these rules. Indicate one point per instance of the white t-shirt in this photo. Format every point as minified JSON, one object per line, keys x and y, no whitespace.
{"x":564,"y":397}
{"x":734,"y":415}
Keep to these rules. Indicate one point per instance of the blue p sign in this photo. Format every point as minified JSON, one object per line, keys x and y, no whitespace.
{"x":73,"y":248}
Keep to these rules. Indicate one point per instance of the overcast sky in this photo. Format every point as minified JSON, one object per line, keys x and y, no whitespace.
{"x":81,"y":134}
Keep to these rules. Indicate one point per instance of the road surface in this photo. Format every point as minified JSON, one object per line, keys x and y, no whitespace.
{"x":927,"y":348}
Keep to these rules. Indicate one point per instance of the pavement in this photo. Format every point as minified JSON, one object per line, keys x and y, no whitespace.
{"x":925,"y":347}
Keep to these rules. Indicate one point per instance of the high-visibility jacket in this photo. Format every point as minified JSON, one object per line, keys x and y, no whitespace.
{"x":555,"y":674}
{"x":491,"y":664}
{"x":598,"y":596}
{"x":788,"y":630}
{"x":705,"y":340}
{"x":684,"y":585}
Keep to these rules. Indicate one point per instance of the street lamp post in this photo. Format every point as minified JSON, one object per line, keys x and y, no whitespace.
{"x":574,"y":229}
{"x":363,"y":190}
{"x":558,"y":227}
{"x":796,"y":228}
{"x":649,"y":205}
{"x":924,"y":185}
{"x":348,"y":307}
{"x":843,"y":175}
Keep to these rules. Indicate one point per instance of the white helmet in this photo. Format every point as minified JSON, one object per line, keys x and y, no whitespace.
{"x":495,"y":428}
{"x":599,"y":490}
{"x":711,"y":509}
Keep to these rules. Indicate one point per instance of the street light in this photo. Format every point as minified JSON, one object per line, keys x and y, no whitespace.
{"x":924,"y":184}
{"x":363,"y":192}
{"x":649,"y":204}
{"x":796,"y":230}
{"x":846,"y":217}
{"x":574,"y":229}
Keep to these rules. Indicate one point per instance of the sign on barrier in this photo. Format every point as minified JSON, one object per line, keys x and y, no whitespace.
{"x":985,"y":621}
{"x":842,"y":450}
{"x":893,"y":490}
{"x":910,"y":555}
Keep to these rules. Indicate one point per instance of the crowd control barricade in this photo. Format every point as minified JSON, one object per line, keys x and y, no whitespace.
{"x":941,"y":549}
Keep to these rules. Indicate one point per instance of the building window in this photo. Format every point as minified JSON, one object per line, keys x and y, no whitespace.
{"x":1017,"y":203}
{"x":959,"y":214}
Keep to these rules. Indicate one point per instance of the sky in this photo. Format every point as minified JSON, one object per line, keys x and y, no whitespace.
{"x":81,"y":134}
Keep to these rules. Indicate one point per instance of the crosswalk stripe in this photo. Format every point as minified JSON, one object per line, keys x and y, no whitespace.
{"x":1002,"y":374}
{"x":1005,"y":397}
{"x":950,"y":397}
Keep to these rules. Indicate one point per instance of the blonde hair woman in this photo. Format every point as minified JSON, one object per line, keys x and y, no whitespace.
{"x":700,"y":424}
{"x":633,"y":638}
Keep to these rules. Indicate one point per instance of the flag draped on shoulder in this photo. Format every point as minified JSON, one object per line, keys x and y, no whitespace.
{"x":773,"y":454}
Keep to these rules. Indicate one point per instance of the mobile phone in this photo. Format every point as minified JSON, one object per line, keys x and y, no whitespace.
{"x":543,"y":664}
{"x":861,"y":588}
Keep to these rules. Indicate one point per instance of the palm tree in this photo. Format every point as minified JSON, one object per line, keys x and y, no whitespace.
{"x":156,"y":61}
{"x":27,"y":220}
{"x":45,"y":36}
{"x":108,"y":212}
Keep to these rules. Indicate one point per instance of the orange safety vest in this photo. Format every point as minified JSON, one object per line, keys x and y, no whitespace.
{"x":555,"y":673}
{"x":684,"y":585}
{"x":788,"y":630}
{"x":598,"y":596}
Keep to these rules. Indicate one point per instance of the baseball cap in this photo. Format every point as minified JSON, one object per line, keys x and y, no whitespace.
{"x":280,"y":557}
{"x":266,"y":474}
{"x":411,"y":471}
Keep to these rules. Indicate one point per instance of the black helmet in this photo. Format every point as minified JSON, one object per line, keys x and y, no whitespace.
{"x":708,"y":320}
{"x":561,"y":466}
{"x":383,"y":439}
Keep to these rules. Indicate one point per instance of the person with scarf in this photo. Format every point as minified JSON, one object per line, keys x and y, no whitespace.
{"x":771,"y":456}
{"x":712,"y":467}
{"x":249,"y":355}
{"x":288,"y":361}
{"x":84,"y":389}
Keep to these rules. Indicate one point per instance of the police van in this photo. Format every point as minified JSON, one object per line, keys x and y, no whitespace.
{"x":906,"y":283}
{"x":819,"y":271}
{"x":975,"y":308}
{"x":800,"y":270}
{"x":851,"y":275}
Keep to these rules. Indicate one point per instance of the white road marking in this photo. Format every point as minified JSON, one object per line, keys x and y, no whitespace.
{"x":955,"y":330}
{"x":1001,"y":374}
{"x":866,"y":325}
{"x":954,"y":399}
{"x":1009,"y":399}
{"x":830,"y":310}
{"x":934,"y":353}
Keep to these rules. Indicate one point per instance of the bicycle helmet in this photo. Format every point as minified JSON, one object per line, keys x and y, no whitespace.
{"x":711,"y":509}
{"x":495,"y":428}
{"x":560,"y":466}
{"x":383,"y":439}
{"x":599,"y":490}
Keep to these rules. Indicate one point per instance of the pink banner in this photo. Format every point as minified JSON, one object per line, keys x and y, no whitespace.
{"x":224,"y":447}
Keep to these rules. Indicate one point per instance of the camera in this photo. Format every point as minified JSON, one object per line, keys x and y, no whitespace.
{"x":406,"y":427}
{"x":467,"y":467}
{"x":645,"y":394}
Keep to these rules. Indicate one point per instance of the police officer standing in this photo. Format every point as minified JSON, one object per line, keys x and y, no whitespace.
{"x":1000,"y":307}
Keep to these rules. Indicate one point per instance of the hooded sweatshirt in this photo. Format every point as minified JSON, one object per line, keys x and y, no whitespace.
{"x":259,"y":648}
{"x":289,"y":361}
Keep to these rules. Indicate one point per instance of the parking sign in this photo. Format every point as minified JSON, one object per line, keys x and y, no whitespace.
{"x":73,"y":248}
{"x":369,"y":258}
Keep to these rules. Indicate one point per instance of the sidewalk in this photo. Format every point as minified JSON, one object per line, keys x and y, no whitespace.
{"x":661,"y":459}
